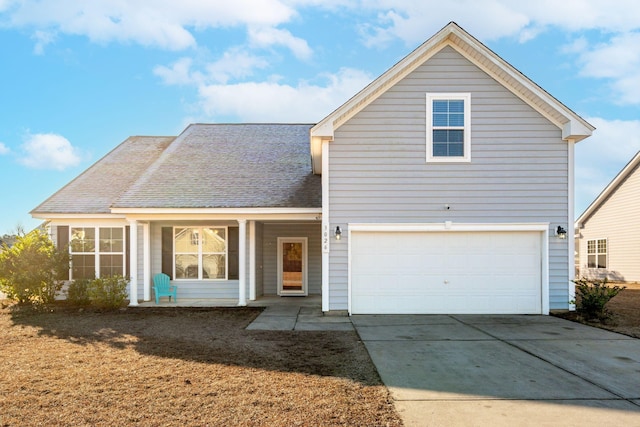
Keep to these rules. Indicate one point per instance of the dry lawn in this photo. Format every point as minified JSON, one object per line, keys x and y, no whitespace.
{"x":181,"y":366}
{"x":625,"y":310}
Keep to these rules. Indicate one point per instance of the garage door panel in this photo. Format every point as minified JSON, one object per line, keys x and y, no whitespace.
{"x":446,"y":272}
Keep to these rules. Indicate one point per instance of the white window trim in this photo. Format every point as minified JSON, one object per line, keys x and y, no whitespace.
{"x":200,"y":253}
{"x":597,"y":253}
{"x":466,"y":97}
{"x":96,"y":253}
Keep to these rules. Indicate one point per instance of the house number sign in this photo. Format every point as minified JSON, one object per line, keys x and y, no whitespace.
{"x":325,"y":237}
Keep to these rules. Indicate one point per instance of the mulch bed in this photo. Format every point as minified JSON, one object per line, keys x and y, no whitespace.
{"x":181,"y":366}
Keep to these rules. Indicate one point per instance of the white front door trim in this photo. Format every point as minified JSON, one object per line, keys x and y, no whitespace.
{"x":303,"y":241}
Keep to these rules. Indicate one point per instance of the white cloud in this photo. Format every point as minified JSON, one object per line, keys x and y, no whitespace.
{"x":577,"y":46}
{"x":162,"y":23}
{"x":49,"y":151}
{"x":600,"y":157}
{"x":275,"y":102}
{"x":413,"y":22}
{"x":269,"y":36}
{"x":577,"y":15}
{"x":235,"y":63}
{"x":174,"y":25}
{"x":179,"y":73}
{"x":42,"y":38}
{"x":4,"y":149}
{"x":618,"y":60}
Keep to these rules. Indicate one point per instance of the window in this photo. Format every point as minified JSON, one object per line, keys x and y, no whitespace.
{"x":111,"y":252}
{"x":597,"y":253}
{"x":96,"y":252}
{"x":448,"y":127}
{"x":200,"y":253}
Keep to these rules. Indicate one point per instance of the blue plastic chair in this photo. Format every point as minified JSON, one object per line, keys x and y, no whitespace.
{"x":163,"y":288}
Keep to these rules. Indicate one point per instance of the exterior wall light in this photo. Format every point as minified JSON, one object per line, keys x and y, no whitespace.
{"x":561,"y":233}
{"x":338,"y":233}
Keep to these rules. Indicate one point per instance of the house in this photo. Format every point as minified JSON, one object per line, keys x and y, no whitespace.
{"x":608,"y":240}
{"x":438,"y":188}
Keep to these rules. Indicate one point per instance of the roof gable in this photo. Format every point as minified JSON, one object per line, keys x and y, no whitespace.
{"x":573,"y":127}
{"x":609,"y":190}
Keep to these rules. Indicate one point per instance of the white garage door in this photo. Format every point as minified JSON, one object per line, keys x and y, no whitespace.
{"x":446,"y":272}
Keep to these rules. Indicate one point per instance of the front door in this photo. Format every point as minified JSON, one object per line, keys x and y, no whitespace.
{"x":292,"y":266}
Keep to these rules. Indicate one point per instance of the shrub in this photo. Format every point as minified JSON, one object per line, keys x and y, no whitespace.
{"x":108,"y":292}
{"x":31,"y":270}
{"x":592,"y":297}
{"x":78,"y":292}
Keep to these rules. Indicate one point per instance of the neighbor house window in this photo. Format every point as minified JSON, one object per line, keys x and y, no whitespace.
{"x":448,"y":127}
{"x":200,"y":253}
{"x":597,"y":253}
{"x":96,"y":252}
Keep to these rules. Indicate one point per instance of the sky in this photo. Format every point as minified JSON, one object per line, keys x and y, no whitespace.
{"x":78,"y":77}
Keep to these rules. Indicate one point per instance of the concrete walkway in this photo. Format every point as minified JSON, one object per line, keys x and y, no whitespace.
{"x":504,"y":370}
{"x":280,"y":313}
{"x":291,"y":317}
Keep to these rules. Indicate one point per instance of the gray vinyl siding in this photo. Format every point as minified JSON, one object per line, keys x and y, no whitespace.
{"x":271,"y":232}
{"x":378,"y":172}
{"x":155,"y":231}
{"x":615,"y":220}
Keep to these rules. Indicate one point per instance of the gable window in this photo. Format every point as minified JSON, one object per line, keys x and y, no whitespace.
{"x":448,"y":127}
{"x":200,"y":253}
{"x":96,"y":252}
{"x":597,"y":253}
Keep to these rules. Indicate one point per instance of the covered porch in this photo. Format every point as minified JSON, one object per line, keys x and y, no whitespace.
{"x":215,"y":260}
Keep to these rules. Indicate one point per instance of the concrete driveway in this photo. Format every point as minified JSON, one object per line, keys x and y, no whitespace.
{"x":504,"y":370}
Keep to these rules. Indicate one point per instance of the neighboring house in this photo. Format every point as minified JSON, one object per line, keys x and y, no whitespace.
{"x":436,"y":189}
{"x":607,"y":232}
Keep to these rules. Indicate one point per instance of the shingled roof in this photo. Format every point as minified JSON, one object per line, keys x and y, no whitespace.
{"x":230,"y":166}
{"x":94,"y":191}
{"x":207,"y":166}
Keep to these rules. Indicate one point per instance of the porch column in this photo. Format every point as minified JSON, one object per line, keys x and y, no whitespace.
{"x":242,"y":262}
{"x":146,"y":250}
{"x":252,"y":260}
{"x":326,"y":226}
{"x":133,"y":263}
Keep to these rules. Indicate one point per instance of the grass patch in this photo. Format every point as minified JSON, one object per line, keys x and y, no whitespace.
{"x":181,"y":366}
